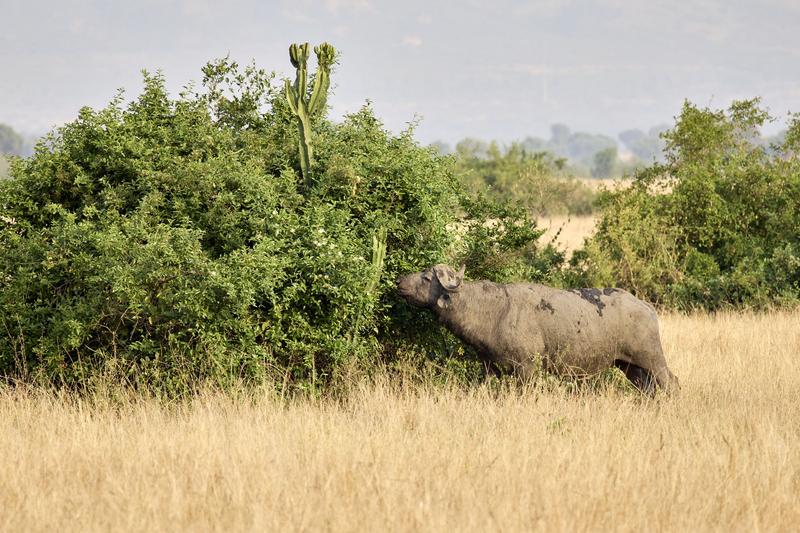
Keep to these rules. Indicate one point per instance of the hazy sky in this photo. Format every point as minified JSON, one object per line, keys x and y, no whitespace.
{"x":491,"y":69}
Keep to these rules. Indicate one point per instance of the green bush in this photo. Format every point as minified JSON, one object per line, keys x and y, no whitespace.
{"x":717,"y":224}
{"x":172,"y":242}
{"x":533,"y":180}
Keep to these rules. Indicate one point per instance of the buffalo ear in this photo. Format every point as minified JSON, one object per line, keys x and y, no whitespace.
{"x":443,"y":302}
{"x":450,"y":281}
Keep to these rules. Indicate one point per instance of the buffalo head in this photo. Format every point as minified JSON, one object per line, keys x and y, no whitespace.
{"x":432,"y":287}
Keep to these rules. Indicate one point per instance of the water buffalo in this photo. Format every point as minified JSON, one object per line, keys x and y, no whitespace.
{"x":575,"y":332}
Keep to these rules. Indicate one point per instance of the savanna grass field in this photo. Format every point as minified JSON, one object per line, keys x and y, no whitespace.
{"x":412,"y":455}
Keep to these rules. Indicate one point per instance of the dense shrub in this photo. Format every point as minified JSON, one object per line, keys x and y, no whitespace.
{"x":717,"y":224}
{"x":168,"y":242}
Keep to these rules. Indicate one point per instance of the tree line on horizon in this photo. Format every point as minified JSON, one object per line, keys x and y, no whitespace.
{"x":585,"y":154}
{"x":582,"y":154}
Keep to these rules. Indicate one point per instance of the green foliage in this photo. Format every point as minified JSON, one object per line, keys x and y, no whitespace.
{"x":304,"y":107}
{"x":171,"y":242}
{"x":500,"y":243}
{"x":715,"y":225}
{"x":533,"y":180}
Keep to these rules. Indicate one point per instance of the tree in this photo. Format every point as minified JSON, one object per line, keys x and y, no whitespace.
{"x":11,"y":142}
{"x":604,"y":163}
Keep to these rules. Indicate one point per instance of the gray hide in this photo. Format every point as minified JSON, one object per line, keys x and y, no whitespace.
{"x":575,"y":332}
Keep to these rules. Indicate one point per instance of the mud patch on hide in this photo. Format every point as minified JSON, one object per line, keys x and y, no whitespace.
{"x":544,"y":305}
{"x":593,"y":297}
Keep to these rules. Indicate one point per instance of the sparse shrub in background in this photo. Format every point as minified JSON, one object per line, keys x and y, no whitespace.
{"x":604,"y":163}
{"x":533,"y":180}
{"x":717,"y":224}
{"x":172,"y":242}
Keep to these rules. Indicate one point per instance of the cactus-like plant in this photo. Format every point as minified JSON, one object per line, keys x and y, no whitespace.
{"x":378,"y":255}
{"x":303,"y":106}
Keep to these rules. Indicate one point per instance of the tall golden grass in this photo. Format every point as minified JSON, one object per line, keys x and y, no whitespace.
{"x":724,"y":455}
{"x":566,"y":233}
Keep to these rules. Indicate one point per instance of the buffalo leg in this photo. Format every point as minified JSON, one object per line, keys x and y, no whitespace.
{"x":641,"y":378}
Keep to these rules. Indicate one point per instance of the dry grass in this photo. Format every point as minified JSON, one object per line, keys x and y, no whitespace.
{"x":722,"y":456}
{"x":609,"y":183}
{"x":567,"y":232}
